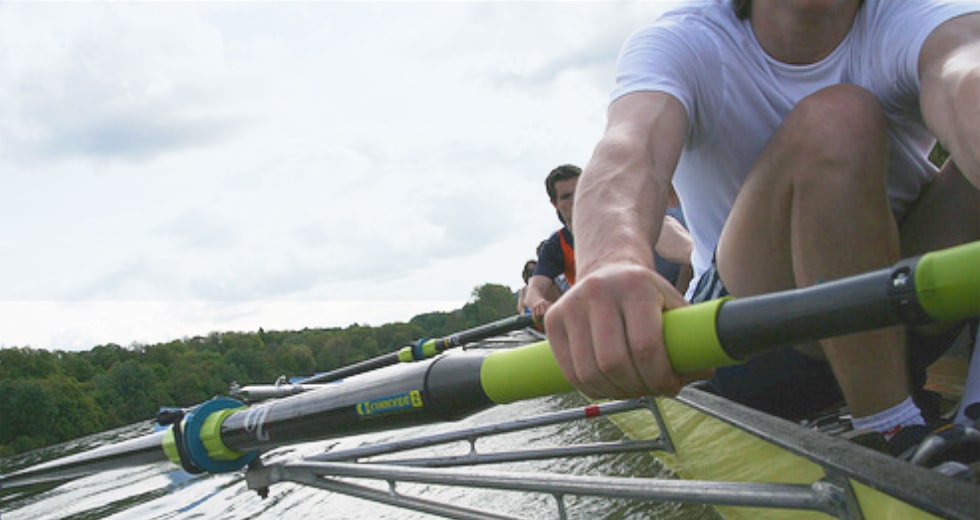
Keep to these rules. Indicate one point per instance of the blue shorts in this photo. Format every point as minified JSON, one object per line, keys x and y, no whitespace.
{"x":782,"y":382}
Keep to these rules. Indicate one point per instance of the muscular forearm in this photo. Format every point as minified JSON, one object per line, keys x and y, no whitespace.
{"x":538,"y":290}
{"x":622,"y":195}
{"x":618,"y":209}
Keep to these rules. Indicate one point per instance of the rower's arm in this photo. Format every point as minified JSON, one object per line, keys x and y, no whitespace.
{"x":540,"y":291}
{"x":675,"y":242}
{"x":949,"y":68}
{"x":621,"y":198}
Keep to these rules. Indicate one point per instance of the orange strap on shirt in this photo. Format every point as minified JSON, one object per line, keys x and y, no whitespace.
{"x":569,"y":253}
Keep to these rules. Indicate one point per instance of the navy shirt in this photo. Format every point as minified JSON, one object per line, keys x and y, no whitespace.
{"x":551,"y":259}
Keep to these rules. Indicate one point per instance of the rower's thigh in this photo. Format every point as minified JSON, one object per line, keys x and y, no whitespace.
{"x":947,"y":213}
{"x":828,"y":159}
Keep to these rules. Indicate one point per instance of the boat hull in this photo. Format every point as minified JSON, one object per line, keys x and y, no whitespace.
{"x":717,"y":440}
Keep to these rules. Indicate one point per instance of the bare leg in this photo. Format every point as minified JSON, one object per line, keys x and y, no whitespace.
{"x":813,"y":208}
{"x":947,"y":214}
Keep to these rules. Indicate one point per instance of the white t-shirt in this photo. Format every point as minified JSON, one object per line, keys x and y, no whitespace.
{"x":736,"y":95}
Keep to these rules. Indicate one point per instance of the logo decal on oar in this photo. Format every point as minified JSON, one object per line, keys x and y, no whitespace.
{"x":255,"y":422}
{"x":391,"y":404}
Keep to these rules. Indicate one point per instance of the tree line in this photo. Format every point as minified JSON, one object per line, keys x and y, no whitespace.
{"x":53,"y":396}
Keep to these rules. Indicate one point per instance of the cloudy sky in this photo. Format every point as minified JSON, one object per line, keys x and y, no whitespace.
{"x":172,"y":169}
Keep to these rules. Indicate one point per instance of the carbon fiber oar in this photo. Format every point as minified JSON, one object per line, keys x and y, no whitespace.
{"x":426,"y":348}
{"x":221,"y":435}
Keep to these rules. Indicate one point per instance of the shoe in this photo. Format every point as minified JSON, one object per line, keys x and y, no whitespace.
{"x":868,"y":438}
{"x":904,"y":443}
{"x":930,"y":405}
{"x":951,"y":449}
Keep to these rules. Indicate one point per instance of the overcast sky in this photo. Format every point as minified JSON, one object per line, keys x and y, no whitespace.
{"x":172,"y":169}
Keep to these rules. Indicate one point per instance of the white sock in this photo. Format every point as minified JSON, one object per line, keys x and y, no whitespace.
{"x":888,"y":422}
{"x":971,"y":394}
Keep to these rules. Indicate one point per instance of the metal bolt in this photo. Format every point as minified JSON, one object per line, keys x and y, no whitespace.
{"x":900,"y":279}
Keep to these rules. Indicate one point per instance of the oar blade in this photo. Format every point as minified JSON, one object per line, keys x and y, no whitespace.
{"x":133,"y":452}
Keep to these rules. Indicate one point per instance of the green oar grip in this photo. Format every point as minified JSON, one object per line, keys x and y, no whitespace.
{"x":522,"y":373}
{"x":422,"y":349}
{"x":531,"y":371}
{"x":947,"y":282}
{"x":691,"y":338}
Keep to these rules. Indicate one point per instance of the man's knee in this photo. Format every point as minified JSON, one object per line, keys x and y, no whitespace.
{"x":844,"y":116}
{"x":840,"y":130}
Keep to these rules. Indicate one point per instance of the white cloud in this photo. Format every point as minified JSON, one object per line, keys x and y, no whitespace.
{"x":172,"y":169}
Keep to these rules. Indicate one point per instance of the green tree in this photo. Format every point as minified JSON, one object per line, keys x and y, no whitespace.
{"x":27,"y":363}
{"x":328,"y":355}
{"x":196,"y":376}
{"x":76,"y":365}
{"x":129,"y":391}
{"x":295,"y":360}
{"x":393,"y":336}
{"x":75,"y":411}
{"x":26,"y":410}
{"x":432,"y":324}
{"x":492,"y":302}
{"x":251,"y":358}
{"x":105,"y":356}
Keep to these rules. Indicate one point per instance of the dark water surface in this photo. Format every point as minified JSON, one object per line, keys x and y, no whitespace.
{"x":162,"y":492}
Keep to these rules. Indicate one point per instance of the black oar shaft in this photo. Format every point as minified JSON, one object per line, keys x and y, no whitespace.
{"x":748,"y":326}
{"x":446,"y":388}
{"x":485,"y":331}
{"x":427,"y":348}
{"x":939,"y":286}
{"x":357,"y":368}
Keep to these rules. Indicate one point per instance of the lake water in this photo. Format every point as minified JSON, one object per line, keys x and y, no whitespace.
{"x":162,"y":492}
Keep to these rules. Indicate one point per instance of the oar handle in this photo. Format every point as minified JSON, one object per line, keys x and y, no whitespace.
{"x":942,"y":286}
{"x":947,"y":282}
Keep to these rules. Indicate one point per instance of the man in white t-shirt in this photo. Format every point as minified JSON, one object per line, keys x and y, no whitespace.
{"x":796,"y":134}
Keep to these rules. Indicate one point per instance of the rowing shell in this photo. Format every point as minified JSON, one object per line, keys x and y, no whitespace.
{"x":713,"y":439}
